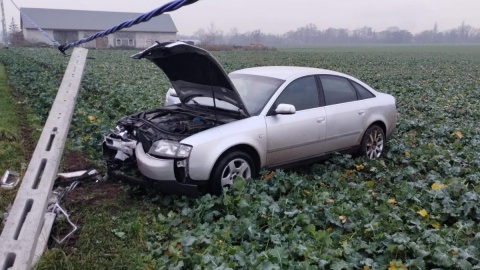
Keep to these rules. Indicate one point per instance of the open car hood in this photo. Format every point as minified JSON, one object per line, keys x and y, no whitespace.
{"x":193,"y":72}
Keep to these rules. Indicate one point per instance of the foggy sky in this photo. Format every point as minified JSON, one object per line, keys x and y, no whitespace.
{"x":279,"y":16}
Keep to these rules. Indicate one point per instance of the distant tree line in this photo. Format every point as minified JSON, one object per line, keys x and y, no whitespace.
{"x":311,"y":35}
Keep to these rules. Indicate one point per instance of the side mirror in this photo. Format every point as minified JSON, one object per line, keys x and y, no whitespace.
{"x":285,"y":109}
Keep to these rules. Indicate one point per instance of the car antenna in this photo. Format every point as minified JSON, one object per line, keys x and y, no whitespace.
{"x":213,"y":91}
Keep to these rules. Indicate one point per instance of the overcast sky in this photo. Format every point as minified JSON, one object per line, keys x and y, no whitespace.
{"x":279,"y":16}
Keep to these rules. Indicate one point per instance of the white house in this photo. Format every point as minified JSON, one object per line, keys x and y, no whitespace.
{"x":67,"y":26}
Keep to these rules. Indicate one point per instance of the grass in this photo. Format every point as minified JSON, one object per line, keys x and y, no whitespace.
{"x":99,"y":209}
{"x":12,"y":150}
{"x":100,"y":243}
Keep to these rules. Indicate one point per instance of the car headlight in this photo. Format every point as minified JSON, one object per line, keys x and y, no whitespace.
{"x":170,"y":149}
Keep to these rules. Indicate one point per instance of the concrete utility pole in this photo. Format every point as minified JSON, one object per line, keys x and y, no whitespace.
{"x":4,"y":24}
{"x":23,"y":233}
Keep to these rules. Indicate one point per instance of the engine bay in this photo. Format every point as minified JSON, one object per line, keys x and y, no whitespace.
{"x":173,"y":123}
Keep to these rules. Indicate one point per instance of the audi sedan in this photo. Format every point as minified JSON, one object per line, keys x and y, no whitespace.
{"x":220,"y":128}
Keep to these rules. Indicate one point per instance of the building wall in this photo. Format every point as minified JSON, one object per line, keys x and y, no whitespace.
{"x":66,"y":37}
{"x":139,"y":40}
{"x":35,"y":36}
{"x":91,"y":44}
{"x":147,"y":39}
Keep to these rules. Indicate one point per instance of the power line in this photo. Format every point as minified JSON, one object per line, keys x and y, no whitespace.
{"x":172,"y":6}
{"x":34,"y":24}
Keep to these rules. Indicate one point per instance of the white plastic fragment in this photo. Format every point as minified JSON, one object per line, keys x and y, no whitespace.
{"x":10,"y":180}
{"x":77,"y":174}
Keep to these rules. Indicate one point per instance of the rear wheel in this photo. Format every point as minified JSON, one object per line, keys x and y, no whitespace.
{"x":373,"y":142}
{"x":228,"y":168}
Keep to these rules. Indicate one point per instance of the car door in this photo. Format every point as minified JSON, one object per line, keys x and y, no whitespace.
{"x":292,"y":137}
{"x":344,"y":111}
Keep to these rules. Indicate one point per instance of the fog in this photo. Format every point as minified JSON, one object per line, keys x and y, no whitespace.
{"x":279,"y":16}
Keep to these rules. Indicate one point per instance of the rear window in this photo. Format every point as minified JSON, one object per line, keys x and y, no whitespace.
{"x":337,"y":90}
{"x":362,"y":91}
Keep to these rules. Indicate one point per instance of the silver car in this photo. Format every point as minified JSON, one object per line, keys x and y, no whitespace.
{"x":220,"y":127}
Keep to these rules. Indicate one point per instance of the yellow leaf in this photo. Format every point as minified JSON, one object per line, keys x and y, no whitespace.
{"x":458,"y":134}
{"x":392,"y":266}
{"x":269,"y":175}
{"x":328,"y":230}
{"x":407,"y":154}
{"x":348,"y":172}
{"x":454,"y":252}
{"x":91,"y":118}
{"x":359,"y":167}
{"x":423,"y":213}
{"x":436,"y":186}
{"x":343,"y":219}
{"x":370,"y":183}
{"x":344,"y":243}
{"x":366,"y":267}
{"x":435,"y":224}
{"x":392,"y":201}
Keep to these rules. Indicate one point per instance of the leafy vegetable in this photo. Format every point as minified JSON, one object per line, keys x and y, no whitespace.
{"x":417,"y":207}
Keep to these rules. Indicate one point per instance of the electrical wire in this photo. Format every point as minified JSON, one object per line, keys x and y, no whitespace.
{"x":36,"y":25}
{"x":172,"y":6}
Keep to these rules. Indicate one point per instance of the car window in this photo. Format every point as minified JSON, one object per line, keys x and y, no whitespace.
{"x":301,"y":93}
{"x":337,"y":90}
{"x":362,"y":91}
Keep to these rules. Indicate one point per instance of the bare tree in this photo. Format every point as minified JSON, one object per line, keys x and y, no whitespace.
{"x":233,"y":36}
{"x":201,"y":35}
{"x":213,"y":34}
{"x":257,"y":36}
{"x":15,"y":36}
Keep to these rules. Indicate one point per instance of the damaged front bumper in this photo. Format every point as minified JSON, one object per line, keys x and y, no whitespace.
{"x":154,"y":168}
{"x":170,"y":176}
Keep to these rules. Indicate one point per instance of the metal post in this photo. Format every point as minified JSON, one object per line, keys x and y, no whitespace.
{"x":4,"y":26}
{"x":27,"y":216}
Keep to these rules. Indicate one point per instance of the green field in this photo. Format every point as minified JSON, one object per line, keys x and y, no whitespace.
{"x":417,"y":207}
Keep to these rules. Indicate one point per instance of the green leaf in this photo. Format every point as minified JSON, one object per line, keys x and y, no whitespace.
{"x":442,"y":259}
{"x":188,"y":241}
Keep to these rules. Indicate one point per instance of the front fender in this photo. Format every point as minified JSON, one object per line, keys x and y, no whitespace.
{"x":209,"y":145}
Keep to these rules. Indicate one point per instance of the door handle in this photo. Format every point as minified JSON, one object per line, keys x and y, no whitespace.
{"x":361,"y":112}
{"x":321,"y":119}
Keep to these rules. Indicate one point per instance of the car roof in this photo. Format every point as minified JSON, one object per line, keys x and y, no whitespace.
{"x":286,"y":72}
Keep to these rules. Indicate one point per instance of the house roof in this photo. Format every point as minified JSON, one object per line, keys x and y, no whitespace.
{"x":62,"y":19}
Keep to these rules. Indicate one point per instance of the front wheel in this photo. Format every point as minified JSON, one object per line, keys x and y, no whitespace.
{"x":373,"y":142}
{"x":228,"y":168}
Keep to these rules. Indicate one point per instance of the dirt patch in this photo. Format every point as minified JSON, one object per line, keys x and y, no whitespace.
{"x":75,"y":161}
{"x":27,"y":139}
{"x":93,"y":195}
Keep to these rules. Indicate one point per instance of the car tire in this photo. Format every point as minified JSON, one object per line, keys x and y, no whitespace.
{"x":373,"y":142}
{"x":230,"y":166}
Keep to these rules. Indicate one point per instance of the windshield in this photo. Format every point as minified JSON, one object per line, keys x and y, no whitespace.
{"x":254,"y":90}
